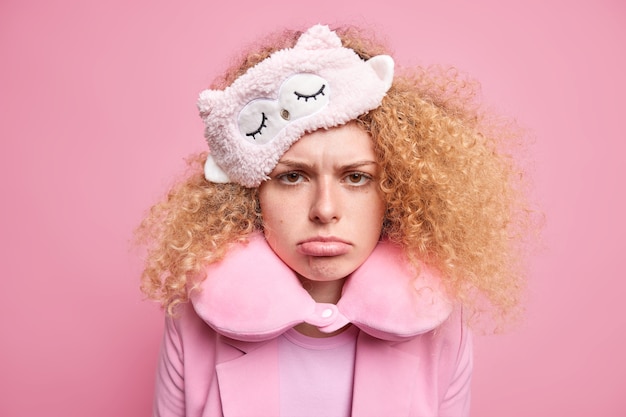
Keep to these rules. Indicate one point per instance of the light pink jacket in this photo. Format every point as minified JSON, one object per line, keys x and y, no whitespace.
{"x":202,"y":373}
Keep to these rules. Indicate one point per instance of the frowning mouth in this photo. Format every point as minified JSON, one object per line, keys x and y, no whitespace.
{"x":323,"y":246}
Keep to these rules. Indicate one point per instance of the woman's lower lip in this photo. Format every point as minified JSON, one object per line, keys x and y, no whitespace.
{"x":320,"y":248}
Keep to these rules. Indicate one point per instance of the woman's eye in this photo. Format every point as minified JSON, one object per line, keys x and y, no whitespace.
{"x":291,"y":178}
{"x":358,"y":178}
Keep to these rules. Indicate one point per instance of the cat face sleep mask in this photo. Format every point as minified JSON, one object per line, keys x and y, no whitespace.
{"x":317,"y":84}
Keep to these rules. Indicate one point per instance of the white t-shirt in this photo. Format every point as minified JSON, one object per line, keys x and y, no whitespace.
{"x":316,"y":374}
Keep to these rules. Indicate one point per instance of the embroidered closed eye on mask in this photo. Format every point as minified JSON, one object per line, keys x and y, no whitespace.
{"x":384,"y":297}
{"x":317,"y":84}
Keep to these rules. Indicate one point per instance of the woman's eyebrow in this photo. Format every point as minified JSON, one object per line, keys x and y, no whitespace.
{"x":294,"y":164}
{"x":303,"y":165}
{"x":291,"y":162}
{"x":357,"y":164}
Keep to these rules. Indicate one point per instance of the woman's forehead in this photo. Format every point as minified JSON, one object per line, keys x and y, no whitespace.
{"x":348,"y":143}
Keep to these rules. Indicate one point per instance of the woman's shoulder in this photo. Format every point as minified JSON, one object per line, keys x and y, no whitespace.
{"x":450,"y":340}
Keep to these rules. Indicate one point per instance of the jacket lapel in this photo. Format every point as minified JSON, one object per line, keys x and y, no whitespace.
{"x":249,"y":383}
{"x":249,"y":380}
{"x":384,"y":378}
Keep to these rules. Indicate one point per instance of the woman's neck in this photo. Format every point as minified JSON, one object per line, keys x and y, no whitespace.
{"x":323,"y":291}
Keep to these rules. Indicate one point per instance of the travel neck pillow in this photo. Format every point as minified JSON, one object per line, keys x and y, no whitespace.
{"x":251,"y":295}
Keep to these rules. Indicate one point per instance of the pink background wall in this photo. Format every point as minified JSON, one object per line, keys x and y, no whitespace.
{"x":97,"y":112}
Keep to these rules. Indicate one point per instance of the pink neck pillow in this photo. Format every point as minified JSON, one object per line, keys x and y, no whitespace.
{"x":251,"y":295}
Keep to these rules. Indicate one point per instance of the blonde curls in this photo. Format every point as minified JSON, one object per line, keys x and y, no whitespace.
{"x":453,"y":192}
{"x":191,"y":228}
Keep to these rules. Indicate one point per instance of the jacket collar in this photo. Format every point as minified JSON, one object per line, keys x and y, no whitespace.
{"x":250,"y":382}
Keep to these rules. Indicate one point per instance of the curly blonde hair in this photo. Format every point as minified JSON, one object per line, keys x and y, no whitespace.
{"x":453,"y":192}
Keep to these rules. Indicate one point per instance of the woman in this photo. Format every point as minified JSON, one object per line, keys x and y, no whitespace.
{"x":345,"y":224}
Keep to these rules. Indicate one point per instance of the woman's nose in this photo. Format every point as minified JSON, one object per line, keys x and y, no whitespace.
{"x":326,"y":202}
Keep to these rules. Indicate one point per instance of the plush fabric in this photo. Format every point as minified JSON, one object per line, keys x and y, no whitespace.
{"x":316,"y":84}
{"x":252,"y":295}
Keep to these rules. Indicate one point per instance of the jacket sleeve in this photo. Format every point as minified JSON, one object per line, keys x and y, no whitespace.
{"x":169,"y":396}
{"x":456,"y":402}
